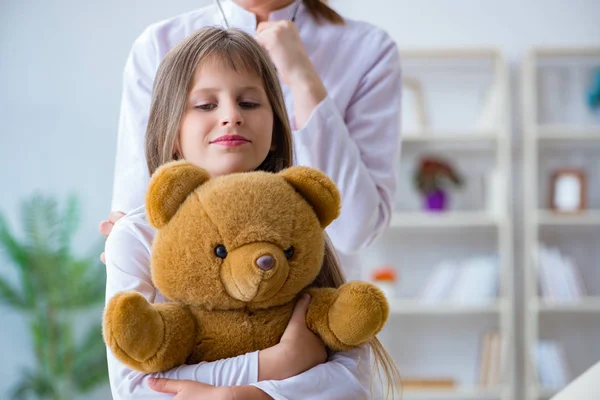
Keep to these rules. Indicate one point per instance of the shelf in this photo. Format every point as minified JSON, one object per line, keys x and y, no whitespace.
{"x":583,"y":305}
{"x":568,"y":133}
{"x":543,"y":393}
{"x":548,"y":217}
{"x":461,"y":393}
{"x":444,"y":307}
{"x":432,"y":136}
{"x":420,"y":219}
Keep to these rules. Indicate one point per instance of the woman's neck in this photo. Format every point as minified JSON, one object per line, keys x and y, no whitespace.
{"x":263,"y":8}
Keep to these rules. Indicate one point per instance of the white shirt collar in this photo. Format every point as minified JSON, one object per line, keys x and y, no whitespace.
{"x":239,"y":17}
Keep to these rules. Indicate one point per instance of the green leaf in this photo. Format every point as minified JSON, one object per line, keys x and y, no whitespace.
{"x":11,"y":296}
{"x":70,"y":222}
{"x":15,"y":250}
{"x":86,"y":285}
{"x":33,"y":383}
{"x":91,"y":358}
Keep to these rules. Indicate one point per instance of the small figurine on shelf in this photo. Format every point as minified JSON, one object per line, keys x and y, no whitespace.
{"x":431,"y":179}
{"x":384,"y":277}
{"x":594,"y":94}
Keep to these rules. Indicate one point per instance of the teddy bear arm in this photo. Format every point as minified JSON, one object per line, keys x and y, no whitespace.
{"x":148,"y":337}
{"x":317,"y":317}
{"x":349,"y":316}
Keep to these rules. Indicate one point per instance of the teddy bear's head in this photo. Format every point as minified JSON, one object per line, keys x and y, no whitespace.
{"x":246,"y":240}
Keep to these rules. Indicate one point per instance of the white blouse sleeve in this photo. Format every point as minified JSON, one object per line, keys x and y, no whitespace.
{"x":358,"y":148}
{"x":131,"y":173}
{"x":127,"y":263}
{"x":347,"y":375}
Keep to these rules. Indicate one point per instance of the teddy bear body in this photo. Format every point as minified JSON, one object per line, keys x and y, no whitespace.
{"x":224,"y":334}
{"x":232,"y":254}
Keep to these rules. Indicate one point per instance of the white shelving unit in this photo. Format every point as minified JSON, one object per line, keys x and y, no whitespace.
{"x":430,"y":340}
{"x":462,"y":393}
{"x":566,"y":137}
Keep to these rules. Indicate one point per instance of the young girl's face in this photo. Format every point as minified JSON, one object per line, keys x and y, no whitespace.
{"x":228,"y":122}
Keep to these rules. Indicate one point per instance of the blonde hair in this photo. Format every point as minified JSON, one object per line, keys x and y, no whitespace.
{"x":237,"y":50}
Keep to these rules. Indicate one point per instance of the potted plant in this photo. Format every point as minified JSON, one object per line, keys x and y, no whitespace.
{"x":52,"y":285}
{"x":432,"y":179}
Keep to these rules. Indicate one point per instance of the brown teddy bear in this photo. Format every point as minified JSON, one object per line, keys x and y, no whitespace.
{"x":232,"y":254}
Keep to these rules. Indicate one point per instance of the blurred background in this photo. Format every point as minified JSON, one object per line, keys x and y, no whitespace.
{"x":491,"y":263}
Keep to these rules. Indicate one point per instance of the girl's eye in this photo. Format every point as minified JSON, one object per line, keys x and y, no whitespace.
{"x":206,"y":107}
{"x":249,"y":104}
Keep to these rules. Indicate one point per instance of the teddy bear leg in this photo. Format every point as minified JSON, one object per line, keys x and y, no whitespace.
{"x":147,"y":337}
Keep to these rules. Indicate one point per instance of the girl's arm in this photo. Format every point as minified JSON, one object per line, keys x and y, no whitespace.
{"x":358,"y":147}
{"x":347,"y":375}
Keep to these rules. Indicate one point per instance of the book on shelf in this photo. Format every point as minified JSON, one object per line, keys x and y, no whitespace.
{"x":552,"y":368}
{"x":490,"y":357}
{"x":471,"y":281}
{"x":428,"y":383}
{"x":559,"y":277}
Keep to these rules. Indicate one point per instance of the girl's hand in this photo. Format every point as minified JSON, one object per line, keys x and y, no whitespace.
{"x":298,"y":350}
{"x":282,"y":41}
{"x":105,"y":227}
{"x":190,"y":390}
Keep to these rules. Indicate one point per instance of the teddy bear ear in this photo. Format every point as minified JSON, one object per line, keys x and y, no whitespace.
{"x":317,"y":189}
{"x":169,"y":187}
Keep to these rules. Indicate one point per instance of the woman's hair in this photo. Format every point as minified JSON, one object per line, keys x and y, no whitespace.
{"x":236,"y":50}
{"x":231,"y":49}
{"x":319,"y":10}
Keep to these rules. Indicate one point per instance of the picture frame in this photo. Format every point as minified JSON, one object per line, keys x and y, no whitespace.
{"x":568,"y":191}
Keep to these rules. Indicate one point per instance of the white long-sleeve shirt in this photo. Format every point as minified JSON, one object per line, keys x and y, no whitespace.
{"x":347,"y":375}
{"x":352,"y":135}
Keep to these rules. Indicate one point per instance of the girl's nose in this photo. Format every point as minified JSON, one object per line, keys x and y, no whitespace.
{"x":232,"y":116}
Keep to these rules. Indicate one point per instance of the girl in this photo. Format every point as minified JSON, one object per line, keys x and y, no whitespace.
{"x":341,"y":88}
{"x":217,"y":83}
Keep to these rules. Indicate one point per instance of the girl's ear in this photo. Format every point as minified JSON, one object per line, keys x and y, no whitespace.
{"x":317,"y":189}
{"x":169,"y":186}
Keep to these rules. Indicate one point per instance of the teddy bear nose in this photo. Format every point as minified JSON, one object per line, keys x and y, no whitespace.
{"x":265,"y":262}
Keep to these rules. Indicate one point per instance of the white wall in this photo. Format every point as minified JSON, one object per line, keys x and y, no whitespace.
{"x":60,"y":82}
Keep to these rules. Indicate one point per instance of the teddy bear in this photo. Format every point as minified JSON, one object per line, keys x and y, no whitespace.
{"x":232,"y":254}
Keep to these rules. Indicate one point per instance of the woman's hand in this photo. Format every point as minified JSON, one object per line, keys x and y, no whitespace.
{"x":282,"y":41}
{"x":105,"y":227}
{"x":190,"y":390}
{"x":298,"y":350}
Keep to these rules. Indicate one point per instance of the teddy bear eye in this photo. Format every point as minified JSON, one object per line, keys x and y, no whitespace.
{"x":220,"y":251}
{"x":289,"y":252}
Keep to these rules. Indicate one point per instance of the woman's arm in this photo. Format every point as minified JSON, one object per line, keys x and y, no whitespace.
{"x":131,"y":175}
{"x":359,"y":148}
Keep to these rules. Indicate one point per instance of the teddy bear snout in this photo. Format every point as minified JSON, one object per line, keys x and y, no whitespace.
{"x":265,"y":262}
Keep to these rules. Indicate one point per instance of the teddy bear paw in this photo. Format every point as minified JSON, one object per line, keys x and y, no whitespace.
{"x":358,"y":313}
{"x":133,"y":328}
